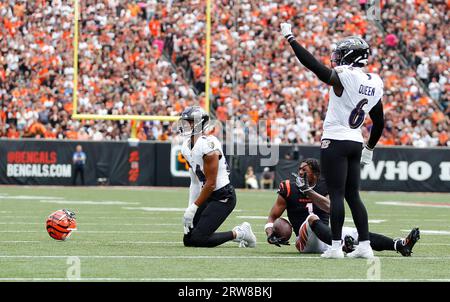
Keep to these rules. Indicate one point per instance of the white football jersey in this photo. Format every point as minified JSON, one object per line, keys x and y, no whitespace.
{"x":346,"y":113}
{"x":205,"y":145}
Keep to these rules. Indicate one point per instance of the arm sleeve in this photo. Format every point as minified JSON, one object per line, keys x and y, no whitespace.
{"x":377,"y":116}
{"x":282,"y":189}
{"x":308,"y":60}
{"x":194,"y":188}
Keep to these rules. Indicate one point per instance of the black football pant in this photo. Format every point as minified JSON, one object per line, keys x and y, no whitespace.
{"x":209,"y":217}
{"x":78,"y":170}
{"x":340,"y":166}
{"x":378,"y":242}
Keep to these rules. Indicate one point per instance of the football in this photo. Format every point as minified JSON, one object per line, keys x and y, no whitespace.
{"x":61,"y":224}
{"x":282,"y":228}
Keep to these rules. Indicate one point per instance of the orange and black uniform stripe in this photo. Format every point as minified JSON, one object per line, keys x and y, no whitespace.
{"x":297,"y":202}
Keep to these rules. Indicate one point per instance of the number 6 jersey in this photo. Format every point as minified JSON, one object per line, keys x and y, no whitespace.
{"x":194,"y":157}
{"x":346,"y":113}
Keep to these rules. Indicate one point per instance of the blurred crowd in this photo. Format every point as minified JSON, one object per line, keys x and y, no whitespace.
{"x":147,"y":58}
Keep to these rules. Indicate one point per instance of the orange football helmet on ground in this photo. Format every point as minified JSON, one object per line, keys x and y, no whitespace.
{"x":60,"y":224}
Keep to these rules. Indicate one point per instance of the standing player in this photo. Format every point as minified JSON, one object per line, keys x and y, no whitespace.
{"x":211,"y":196}
{"x":307,"y":209}
{"x":354,"y":93}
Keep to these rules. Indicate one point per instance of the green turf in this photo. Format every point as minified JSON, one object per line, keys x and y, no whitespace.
{"x":116,"y":243}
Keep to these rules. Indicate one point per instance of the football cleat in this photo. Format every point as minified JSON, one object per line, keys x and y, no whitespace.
{"x":331,"y":253}
{"x":244,"y":233}
{"x":361,"y":252}
{"x":404,"y":247}
{"x":349,"y":244}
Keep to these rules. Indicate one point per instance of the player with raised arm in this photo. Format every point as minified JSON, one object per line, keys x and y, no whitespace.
{"x":353,"y":94}
{"x":303,"y":196}
{"x":211,"y":196}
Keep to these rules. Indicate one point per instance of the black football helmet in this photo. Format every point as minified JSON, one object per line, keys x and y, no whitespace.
{"x":352,"y":51}
{"x":194,"y":120}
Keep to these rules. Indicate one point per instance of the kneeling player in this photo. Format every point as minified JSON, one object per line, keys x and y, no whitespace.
{"x":303,"y":196}
{"x":211,"y":196}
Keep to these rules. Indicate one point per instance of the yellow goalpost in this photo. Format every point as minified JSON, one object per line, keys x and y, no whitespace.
{"x":137,"y":118}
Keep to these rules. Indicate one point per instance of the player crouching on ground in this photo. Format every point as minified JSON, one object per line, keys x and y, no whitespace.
{"x":211,"y":196}
{"x":303,"y":196}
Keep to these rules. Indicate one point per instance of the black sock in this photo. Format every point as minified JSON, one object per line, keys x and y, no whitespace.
{"x":322,"y":231}
{"x":380,"y":242}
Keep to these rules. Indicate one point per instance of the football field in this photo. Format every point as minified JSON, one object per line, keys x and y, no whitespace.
{"x":135,"y":234}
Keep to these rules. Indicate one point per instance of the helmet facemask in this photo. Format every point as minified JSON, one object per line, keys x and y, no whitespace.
{"x":352,"y":51}
{"x":194,"y":122}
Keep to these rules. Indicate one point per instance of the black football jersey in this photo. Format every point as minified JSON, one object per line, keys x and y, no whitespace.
{"x":299,"y":205}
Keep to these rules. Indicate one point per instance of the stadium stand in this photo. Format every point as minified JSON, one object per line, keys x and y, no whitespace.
{"x":148,"y":58}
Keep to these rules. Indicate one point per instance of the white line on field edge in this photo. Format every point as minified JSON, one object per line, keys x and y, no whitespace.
{"x":99,"y":242}
{"x":152,"y":242}
{"x":201,"y":257}
{"x":101,"y":224}
{"x":220,"y":279}
{"x":111,"y":232}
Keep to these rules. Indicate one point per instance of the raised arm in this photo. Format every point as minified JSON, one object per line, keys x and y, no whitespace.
{"x":325,"y":74}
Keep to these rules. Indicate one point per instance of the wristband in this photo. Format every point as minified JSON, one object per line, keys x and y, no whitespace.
{"x":268,"y":225}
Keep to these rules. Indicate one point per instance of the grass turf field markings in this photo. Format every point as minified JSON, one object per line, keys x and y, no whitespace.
{"x":91,"y":202}
{"x":98,"y":224}
{"x":227,"y":279}
{"x":216,"y":257}
{"x":97,"y":242}
{"x":425,"y":204}
{"x":149,"y":209}
{"x":78,"y":241}
{"x":431,"y":232}
{"x":29,"y":197}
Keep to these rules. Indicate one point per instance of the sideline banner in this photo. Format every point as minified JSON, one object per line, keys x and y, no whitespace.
{"x":48,"y":162}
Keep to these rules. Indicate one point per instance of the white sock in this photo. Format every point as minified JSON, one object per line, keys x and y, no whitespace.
{"x":335,"y":244}
{"x":364,"y":244}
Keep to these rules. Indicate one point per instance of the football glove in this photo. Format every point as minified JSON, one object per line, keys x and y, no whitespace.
{"x":302,"y":182}
{"x":366,"y":155}
{"x":188,"y":218}
{"x":286,"y":30}
{"x":273,"y":239}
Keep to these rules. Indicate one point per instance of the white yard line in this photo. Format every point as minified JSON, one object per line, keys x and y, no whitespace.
{"x":415,"y":204}
{"x":110,"y":232}
{"x":100,"y":242}
{"x":299,"y":257}
{"x":222,"y":279}
{"x":97,"y":224}
{"x":104,"y":217}
{"x":431,"y":232}
{"x":91,"y":202}
{"x":29,"y":197}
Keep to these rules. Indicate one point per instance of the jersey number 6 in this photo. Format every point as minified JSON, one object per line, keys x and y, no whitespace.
{"x":357,"y":115}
